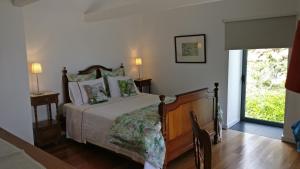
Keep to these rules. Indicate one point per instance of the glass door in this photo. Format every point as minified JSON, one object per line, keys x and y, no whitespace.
{"x":263,"y":91}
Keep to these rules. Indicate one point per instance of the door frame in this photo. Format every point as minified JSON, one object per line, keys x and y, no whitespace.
{"x":243,"y":96}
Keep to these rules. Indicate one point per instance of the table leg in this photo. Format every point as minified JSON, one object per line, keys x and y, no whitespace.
{"x":49,"y":112}
{"x":36,"y":117}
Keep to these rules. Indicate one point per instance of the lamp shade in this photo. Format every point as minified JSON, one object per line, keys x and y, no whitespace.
{"x":138,"y":61}
{"x":293,"y":76}
{"x":36,"y":68}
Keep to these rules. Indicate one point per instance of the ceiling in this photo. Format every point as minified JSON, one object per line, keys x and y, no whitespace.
{"x":95,"y":10}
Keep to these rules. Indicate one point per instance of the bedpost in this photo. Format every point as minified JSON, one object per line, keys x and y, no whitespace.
{"x":216,"y":122}
{"x":122,"y":66}
{"x":162,"y":114}
{"x":65,"y":86}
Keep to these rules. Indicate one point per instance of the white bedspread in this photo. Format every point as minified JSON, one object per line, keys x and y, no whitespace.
{"x":91,"y":123}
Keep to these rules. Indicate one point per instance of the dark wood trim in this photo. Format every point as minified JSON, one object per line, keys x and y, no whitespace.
{"x":65,"y":86}
{"x":88,"y":70}
{"x":202,"y":145}
{"x":244,"y":83}
{"x":47,"y":160}
{"x":216,"y":109}
{"x":175,"y":43}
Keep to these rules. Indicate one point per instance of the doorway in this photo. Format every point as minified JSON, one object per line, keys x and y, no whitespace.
{"x":263,"y":91}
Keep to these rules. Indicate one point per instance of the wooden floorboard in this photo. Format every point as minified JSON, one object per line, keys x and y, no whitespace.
{"x":236,"y":151}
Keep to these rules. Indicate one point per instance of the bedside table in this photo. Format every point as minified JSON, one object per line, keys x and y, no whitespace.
{"x":46,"y":131}
{"x":142,"y":84}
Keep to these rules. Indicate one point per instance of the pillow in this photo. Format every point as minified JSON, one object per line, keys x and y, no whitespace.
{"x":96,"y":93}
{"x":75,"y":93}
{"x":80,"y":78}
{"x":114,"y":85}
{"x":127,"y":88}
{"x":115,"y":72}
{"x":85,"y":97}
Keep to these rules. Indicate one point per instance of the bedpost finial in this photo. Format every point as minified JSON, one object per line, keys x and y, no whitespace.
{"x":162,"y":98}
{"x":65,"y":70}
{"x":216,"y":84}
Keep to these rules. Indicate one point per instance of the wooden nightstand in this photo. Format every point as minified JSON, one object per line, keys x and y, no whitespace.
{"x":143,"y":83}
{"x":46,"y":131}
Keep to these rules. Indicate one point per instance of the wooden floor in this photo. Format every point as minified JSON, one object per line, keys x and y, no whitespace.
{"x":237,"y":151}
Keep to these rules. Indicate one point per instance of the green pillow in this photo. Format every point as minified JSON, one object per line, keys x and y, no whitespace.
{"x":96,"y":93}
{"x":115,"y":72}
{"x":127,"y":88}
{"x":80,"y":78}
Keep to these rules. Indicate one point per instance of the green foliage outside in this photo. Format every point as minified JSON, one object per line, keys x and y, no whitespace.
{"x":265,"y":93}
{"x":268,"y":107}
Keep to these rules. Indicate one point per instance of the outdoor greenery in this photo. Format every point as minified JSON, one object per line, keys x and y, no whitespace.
{"x":265,"y":93}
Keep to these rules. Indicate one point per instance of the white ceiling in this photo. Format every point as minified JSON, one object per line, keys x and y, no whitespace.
{"x":95,"y":10}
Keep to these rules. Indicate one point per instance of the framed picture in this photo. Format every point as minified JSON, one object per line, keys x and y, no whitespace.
{"x":190,"y":48}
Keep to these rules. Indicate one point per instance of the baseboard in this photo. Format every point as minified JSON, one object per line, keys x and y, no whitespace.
{"x":228,"y":125}
{"x":289,"y":140}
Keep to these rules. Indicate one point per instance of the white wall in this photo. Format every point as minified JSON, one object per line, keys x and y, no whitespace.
{"x":57,"y":36}
{"x":234,"y":87}
{"x":14,"y":90}
{"x":158,"y":45}
{"x":292,"y":113}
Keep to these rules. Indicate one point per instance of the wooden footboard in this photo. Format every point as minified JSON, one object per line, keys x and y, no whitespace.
{"x":176,"y":123}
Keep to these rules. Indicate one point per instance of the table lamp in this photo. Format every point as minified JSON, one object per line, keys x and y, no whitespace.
{"x":36,"y":68}
{"x":138,"y":62}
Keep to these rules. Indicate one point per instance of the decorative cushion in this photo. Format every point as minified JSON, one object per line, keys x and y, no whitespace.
{"x":127,"y":88}
{"x":85,"y":96}
{"x":77,"y":91}
{"x":114,"y":85}
{"x":80,"y":78}
{"x":96,"y":93}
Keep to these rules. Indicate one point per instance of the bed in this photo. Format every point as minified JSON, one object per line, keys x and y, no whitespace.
{"x":91,"y":123}
{"x":16,"y":153}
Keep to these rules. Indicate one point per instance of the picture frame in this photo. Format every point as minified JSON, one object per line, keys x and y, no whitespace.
{"x":190,"y":48}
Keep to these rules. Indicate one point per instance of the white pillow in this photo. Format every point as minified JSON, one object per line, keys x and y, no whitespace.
{"x":114,"y":85}
{"x":85,"y":98}
{"x":77,"y":93}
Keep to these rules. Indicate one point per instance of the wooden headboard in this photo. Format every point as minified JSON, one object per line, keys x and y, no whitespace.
{"x":88,"y":70}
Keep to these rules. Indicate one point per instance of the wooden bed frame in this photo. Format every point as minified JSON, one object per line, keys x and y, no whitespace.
{"x":175,"y":117}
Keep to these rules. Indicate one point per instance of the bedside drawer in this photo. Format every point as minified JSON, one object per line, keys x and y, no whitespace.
{"x":44,"y":100}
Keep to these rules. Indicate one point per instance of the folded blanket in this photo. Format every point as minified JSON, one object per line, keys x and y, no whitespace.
{"x":296,"y":132}
{"x":139,"y":131}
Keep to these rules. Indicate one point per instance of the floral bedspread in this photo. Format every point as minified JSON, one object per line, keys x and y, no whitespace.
{"x":140,"y":131}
